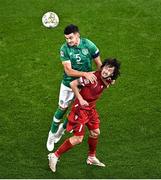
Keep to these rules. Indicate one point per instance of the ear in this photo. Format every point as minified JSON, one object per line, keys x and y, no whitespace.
{"x":78,"y":34}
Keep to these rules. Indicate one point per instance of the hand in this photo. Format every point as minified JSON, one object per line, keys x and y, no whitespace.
{"x":90,"y":76}
{"x":83,"y":102}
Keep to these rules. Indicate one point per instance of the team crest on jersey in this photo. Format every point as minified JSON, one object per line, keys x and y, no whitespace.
{"x":85,"y":51}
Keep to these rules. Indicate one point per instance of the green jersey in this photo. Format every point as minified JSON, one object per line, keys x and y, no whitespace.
{"x":80,"y":57}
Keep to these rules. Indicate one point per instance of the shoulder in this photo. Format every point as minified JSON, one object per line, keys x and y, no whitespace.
{"x":90,"y":46}
{"x":64,"y":55}
{"x":87,"y":41}
{"x":97,"y":73}
{"x":64,"y":46}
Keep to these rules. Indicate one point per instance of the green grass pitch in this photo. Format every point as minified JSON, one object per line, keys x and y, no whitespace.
{"x":30,"y":75}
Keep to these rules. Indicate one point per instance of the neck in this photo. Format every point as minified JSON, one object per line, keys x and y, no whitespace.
{"x":105,"y":82}
{"x":78,"y":42}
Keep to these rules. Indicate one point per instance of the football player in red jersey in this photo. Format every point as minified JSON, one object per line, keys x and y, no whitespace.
{"x":83,"y":112}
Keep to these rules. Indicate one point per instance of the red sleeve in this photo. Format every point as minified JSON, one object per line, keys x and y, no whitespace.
{"x":84,"y":82}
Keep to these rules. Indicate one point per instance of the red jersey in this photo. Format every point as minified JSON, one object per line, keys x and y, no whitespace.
{"x":91,"y":92}
{"x":86,"y":115}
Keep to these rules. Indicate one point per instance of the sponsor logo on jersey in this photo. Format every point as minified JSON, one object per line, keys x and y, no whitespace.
{"x":85,"y":51}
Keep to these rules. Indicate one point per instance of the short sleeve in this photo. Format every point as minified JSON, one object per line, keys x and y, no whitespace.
{"x":63,"y":54}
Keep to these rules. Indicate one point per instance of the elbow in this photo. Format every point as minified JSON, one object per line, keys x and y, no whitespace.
{"x":68,"y":71}
{"x":73,"y":84}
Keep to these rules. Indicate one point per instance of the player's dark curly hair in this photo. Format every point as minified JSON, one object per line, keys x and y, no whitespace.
{"x":112,"y":62}
{"x":71,"y":29}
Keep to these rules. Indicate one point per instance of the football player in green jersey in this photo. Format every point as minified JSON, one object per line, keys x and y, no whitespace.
{"x":77,"y":55}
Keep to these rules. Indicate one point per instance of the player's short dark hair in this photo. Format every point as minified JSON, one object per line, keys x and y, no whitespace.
{"x":71,"y":29}
{"x":113,"y":62}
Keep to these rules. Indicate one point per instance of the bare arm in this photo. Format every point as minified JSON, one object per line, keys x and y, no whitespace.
{"x":74,"y":73}
{"x":98,"y":62}
{"x":74,"y":85}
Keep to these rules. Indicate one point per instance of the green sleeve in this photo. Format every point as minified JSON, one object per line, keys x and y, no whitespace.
{"x":64,"y":54}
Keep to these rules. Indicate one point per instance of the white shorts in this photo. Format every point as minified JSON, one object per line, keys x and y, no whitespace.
{"x":66,"y":95}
